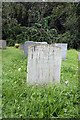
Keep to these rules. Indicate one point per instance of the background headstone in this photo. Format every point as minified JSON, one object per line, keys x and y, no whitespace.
{"x":2,"y":44}
{"x":44,"y":63}
{"x":79,"y":56}
{"x":26,"y":45}
{"x":29,"y":43}
{"x":63,"y":47}
{"x":21,"y":46}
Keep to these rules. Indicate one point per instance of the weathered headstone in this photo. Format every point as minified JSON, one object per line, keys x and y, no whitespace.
{"x":63,"y":47}
{"x":29,"y":43}
{"x":44,"y":63}
{"x":2,"y":44}
{"x":21,"y":46}
{"x":26,"y":45}
{"x":79,"y":56}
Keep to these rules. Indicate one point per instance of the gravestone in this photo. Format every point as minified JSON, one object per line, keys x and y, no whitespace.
{"x":21,"y":46}
{"x":2,"y":44}
{"x":44,"y":63}
{"x":26,"y":45}
{"x":79,"y":56}
{"x":29,"y":43}
{"x":63,"y":47}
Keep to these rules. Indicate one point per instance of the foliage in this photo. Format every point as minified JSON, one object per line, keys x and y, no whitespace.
{"x":67,"y":38}
{"x":63,"y":17}
{"x":23,"y":101}
{"x":35,"y":33}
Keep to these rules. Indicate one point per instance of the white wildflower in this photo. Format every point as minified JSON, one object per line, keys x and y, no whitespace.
{"x":19,"y":69}
{"x":66,"y":82}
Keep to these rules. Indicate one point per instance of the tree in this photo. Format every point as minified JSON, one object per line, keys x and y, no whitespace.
{"x":35,"y":20}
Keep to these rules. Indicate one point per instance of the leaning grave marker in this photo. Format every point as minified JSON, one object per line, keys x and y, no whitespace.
{"x":44,"y":63}
{"x":63,"y":49}
{"x":2,"y":44}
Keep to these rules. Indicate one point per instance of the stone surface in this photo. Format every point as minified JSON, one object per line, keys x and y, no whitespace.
{"x":21,"y":46}
{"x":40,"y":42}
{"x":44,"y":63}
{"x":79,"y":56}
{"x":29,"y":43}
{"x":2,"y":44}
{"x":26,"y":45}
{"x":63,"y":47}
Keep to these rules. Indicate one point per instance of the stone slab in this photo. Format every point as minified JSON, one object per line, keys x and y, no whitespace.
{"x":2,"y":44}
{"x":26,"y":45}
{"x":29,"y":43}
{"x":44,"y":64}
{"x":21,"y":46}
{"x":63,"y":47}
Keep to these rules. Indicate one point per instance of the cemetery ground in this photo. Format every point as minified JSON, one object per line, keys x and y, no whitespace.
{"x":21,"y":100}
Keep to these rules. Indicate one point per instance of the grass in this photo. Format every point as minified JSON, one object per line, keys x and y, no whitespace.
{"x":21,"y":100}
{"x":0,"y":83}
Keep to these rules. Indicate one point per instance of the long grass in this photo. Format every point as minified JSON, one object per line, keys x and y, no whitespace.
{"x":0,"y":84}
{"x":21,"y":100}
